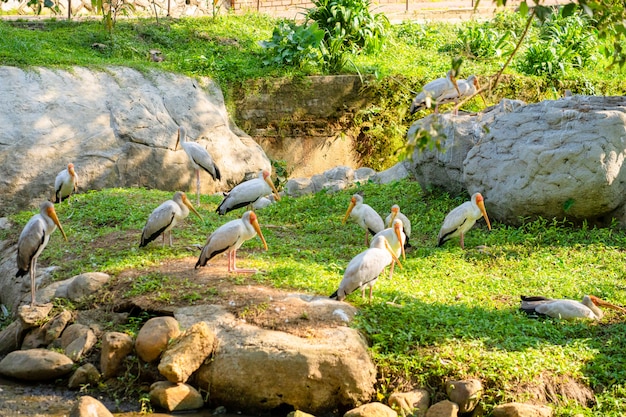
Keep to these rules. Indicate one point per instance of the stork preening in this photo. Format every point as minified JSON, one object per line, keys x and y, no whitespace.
{"x":163,"y":218}
{"x":467,"y":88}
{"x":248,"y":192}
{"x":200,"y":159}
{"x":33,"y":241}
{"x":462,"y":218}
{"x":396,"y":238}
{"x":433,"y":91}
{"x":228,"y":238}
{"x":406,"y":223}
{"x":588,"y":308}
{"x":365,"y":216}
{"x":364,"y":269}
{"x":65,"y":183}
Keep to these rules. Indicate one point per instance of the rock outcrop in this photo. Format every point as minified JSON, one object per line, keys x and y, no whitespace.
{"x":554,"y":159}
{"x":118,"y":127}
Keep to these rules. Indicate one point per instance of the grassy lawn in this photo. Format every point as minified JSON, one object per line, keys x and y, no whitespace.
{"x":449,"y":313}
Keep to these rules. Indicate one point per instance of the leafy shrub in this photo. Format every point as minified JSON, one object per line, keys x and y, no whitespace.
{"x":481,"y":40}
{"x":352,"y":21}
{"x":293,"y":44}
{"x":420,"y":35}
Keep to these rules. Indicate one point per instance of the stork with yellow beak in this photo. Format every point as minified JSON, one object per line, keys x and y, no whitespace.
{"x":248,"y":192}
{"x":65,"y":183}
{"x":364,"y":269}
{"x":588,"y":308}
{"x":365,"y":216}
{"x":433,"y":91}
{"x":163,"y":219}
{"x":462,"y":218}
{"x":396,"y":238}
{"x":228,"y":238}
{"x":33,"y":241}
{"x":406,"y":223}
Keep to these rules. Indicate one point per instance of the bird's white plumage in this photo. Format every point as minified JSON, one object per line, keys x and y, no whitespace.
{"x":467,"y":88}
{"x":165,"y":217}
{"x":364,"y":269}
{"x":587,"y":308}
{"x":432,"y":92}
{"x":229,"y":237}
{"x":462,"y":218}
{"x":248,"y":192}
{"x":395,"y":238}
{"x":200,"y":159}
{"x":65,"y":183}
{"x":365,"y":216}
{"x":34,"y":239}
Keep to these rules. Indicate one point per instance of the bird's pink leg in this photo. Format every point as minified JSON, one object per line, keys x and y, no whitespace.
{"x":240,"y":271}
{"x":371,"y":289}
{"x":367,"y":236}
{"x":33,"y":283}
{"x":462,"y":245}
{"x":391,"y":269}
{"x":198,"y":187}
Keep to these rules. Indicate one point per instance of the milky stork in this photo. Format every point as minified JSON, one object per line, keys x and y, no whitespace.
{"x":200,"y":159}
{"x":167,"y":215}
{"x":65,"y":183}
{"x":365,"y":216}
{"x":588,"y":308}
{"x":432,"y":91}
{"x":248,"y":192}
{"x":462,"y":218}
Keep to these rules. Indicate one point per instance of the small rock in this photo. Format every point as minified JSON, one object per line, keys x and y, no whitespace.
{"x":49,"y":332}
{"x":115,"y":347}
{"x":86,"y":284}
{"x":414,"y":403}
{"x":443,"y":409}
{"x":35,"y":365}
{"x":154,"y":336}
{"x":87,"y":374}
{"x":297,"y":187}
{"x":521,"y":410}
{"x":466,"y":394}
{"x":11,"y":337}
{"x":340,"y":173}
{"x":31,"y":316}
{"x":187,"y":353}
{"x":77,"y":340}
{"x":374,"y":409}
{"x":87,"y":406}
{"x":299,"y":413}
{"x":175,"y":397}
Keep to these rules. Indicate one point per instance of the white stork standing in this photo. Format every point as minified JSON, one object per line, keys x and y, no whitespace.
{"x":248,"y":192}
{"x":588,"y":308}
{"x":200,"y":159}
{"x":228,"y":238}
{"x":406,"y":223}
{"x":364,"y":269}
{"x":365,"y":216}
{"x":433,"y":90}
{"x":163,"y":219}
{"x":65,"y":183}
{"x":462,"y":218}
{"x":33,"y":240}
{"x":396,"y":238}
{"x":467,"y":88}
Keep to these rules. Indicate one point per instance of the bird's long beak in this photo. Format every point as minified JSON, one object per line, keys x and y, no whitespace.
{"x":350,"y":207}
{"x":481,"y":206}
{"x":478,"y":89}
{"x":255,"y":223}
{"x":393,"y":255}
{"x":393,"y":217}
{"x":53,"y":215}
{"x":398,"y":231}
{"x":456,"y":86}
{"x":599,"y":302}
{"x":271,"y":184}
{"x":190,"y":206}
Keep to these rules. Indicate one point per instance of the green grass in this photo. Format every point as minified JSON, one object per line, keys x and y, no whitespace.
{"x":449,"y":313}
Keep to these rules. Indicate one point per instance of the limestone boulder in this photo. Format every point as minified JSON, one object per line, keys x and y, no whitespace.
{"x":175,"y":397}
{"x":412,"y":404}
{"x":118,"y":126}
{"x":86,"y":374}
{"x":466,"y":393}
{"x":258,"y":370}
{"x":87,"y":406}
{"x":77,"y":340}
{"x":86,"y":284}
{"x":522,"y":410}
{"x":115,"y":347}
{"x":154,"y":336}
{"x":49,"y":332}
{"x":443,"y":409}
{"x":374,"y":409}
{"x":185,"y":355}
{"x":35,"y":365}
{"x":554,"y":159}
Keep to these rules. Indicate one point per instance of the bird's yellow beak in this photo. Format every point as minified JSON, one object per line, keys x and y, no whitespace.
{"x":599,"y":302}
{"x":190,"y":206}
{"x":481,"y":206}
{"x":53,"y":215}
{"x":268,"y":180}
{"x":350,"y":207}
{"x":393,"y":255}
{"x":255,"y":223}
{"x":397,"y":228}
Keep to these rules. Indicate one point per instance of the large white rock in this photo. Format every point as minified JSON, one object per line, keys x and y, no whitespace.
{"x":118,"y":126}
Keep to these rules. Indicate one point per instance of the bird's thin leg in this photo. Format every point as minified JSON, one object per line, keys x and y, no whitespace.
{"x":198,"y":187}
{"x":462,"y":245}
{"x":163,"y":240}
{"x":363,"y":292}
{"x":371,"y":289}
{"x":170,"y":233}
{"x":367,"y":240}
{"x":33,"y":283}
{"x":230,"y":261}
{"x":391,"y":269}
{"x":240,"y":271}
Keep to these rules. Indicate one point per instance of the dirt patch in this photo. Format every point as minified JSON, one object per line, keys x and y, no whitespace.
{"x":175,"y":283}
{"x":557,"y":390}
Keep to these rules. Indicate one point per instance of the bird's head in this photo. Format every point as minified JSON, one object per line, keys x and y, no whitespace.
{"x":480,"y":202}
{"x":186,"y":202}
{"x":70,"y":169}
{"x":353,"y":201}
{"x":48,"y":207}
{"x":268,"y":179}
{"x":255,"y":223}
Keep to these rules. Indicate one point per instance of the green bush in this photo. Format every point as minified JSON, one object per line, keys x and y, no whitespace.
{"x":293,"y":44}
{"x":482,"y":40}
